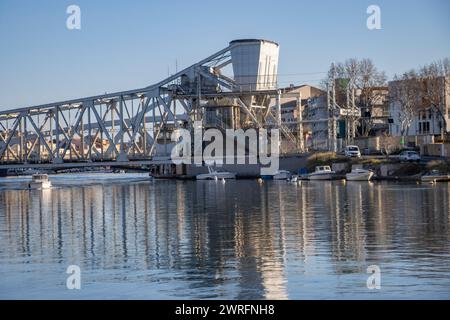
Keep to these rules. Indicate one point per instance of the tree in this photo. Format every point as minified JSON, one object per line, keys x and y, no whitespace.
{"x":359,"y":84}
{"x":388,"y":145}
{"x":404,"y":91}
{"x":433,"y":86}
{"x":370,"y":83}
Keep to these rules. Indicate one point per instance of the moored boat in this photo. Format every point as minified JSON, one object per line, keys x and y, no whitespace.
{"x":435,"y":175}
{"x":282,"y":175}
{"x":278,"y":175}
{"x":216,"y":175}
{"x":39,"y":181}
{"x":359,"y":175}
{"x":322,"y":173}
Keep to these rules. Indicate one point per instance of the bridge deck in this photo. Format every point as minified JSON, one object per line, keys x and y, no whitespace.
{"x":83,"y":164}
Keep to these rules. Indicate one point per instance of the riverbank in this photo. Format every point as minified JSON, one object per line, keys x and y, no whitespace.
{"x":385,"y":168}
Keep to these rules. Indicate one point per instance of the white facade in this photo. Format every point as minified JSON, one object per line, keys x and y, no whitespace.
{"x":255,"y":64}
{"x":424,"y":123}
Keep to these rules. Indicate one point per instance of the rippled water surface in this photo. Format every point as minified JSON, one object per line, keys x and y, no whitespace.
{"x":238,"y":240}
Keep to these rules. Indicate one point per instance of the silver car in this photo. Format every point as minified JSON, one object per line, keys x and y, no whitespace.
{"x":352,"y":151}
{"x":409,"y":156}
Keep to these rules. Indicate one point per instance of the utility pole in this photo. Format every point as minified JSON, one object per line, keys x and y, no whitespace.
{"x":300,"y":141}
{"x":278,"y":106}
{"x":334,"y":113}
{"x":347,"y":120}
{"x":331,"y":101}
{"x":354,"y":113}
{"x":350,"y":117}
{"x":444,"y":108}
{"x":199,"y":97}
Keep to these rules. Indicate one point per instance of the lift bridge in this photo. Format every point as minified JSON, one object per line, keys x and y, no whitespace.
{"x":133,"y":127}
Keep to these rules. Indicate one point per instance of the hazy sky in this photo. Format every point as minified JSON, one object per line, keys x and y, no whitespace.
{"x":131,"y":44}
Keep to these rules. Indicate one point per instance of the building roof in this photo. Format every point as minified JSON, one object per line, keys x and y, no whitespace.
{"x":252,"y":40}
{"x":291,"y":88}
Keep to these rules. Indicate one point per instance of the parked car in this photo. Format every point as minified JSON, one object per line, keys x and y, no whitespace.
{"x":409,"y":156}
{"x":352,"y":151}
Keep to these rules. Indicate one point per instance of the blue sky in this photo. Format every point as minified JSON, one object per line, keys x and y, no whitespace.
{"x":131,"y":44}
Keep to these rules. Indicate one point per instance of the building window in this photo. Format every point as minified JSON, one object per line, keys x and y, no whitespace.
{"x":424,"y":127}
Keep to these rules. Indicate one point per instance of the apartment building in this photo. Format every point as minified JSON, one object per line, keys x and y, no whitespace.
{"x":422,"y":118}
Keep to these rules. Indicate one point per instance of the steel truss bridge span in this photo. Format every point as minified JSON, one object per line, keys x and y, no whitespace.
{"x":125,"y":127}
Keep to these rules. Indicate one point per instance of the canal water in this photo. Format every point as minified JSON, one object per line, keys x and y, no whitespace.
{"x":235,"y":240}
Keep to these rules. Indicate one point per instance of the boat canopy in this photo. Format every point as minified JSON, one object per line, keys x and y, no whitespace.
{"x":40,"y":177}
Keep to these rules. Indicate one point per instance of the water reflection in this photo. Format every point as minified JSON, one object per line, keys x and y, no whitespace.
{"x":239,"y":240}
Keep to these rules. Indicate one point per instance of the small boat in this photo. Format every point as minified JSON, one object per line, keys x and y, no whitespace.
{"x":216,"y":175}
{"x":435,"y":176}
{"x":39,"y":181}
{"x":279,"y":175}
{"x":322,"y":173}
{"x":293,"y":179}
{"x":282,"y":175}
{"x":304,"y":176}
{"x":359,"y":175}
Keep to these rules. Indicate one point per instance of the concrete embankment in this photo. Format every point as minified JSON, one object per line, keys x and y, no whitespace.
{"x":385,"y":168}
{"x":289,"y":162}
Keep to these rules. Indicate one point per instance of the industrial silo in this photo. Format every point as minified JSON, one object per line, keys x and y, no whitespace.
{"x":255,"y":64}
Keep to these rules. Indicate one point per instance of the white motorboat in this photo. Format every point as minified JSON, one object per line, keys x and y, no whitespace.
{"x":435,"y":176}
{"x":359,"y":175}
{"x":216,"y":175}
{"x":282,"y":175}
{"x":39,"y":181}
{"x":322,"y":173}
{"x":293,"y":179}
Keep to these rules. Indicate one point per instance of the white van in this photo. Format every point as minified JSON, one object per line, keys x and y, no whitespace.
{"x":352,"y":151}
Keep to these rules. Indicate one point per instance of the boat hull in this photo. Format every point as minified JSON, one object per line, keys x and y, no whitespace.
{"x":281,"y":176}
{"x":324,"y":176}
{"x":40,"y":185}
{"x":216,"y":176}
{"x":359,"y":176}
{"x":439,"y":178}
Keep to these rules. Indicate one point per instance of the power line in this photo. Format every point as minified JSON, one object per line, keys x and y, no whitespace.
{"x":281,"y":74}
